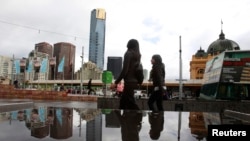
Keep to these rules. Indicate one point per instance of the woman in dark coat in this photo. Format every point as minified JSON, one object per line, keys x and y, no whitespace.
{"x":132,"y":58}
{"x":158,"y":78}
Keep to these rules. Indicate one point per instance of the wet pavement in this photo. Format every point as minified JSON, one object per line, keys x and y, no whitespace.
{"x":17,"y":104}
{"x":33,"y":120}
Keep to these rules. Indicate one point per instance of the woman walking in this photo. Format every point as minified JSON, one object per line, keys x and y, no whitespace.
{"x":132,"y":58}
{"x":158,"y":79}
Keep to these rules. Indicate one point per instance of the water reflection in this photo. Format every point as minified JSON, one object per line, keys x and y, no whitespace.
{"x":131,"y":122}
{"x":57,"y":123}
{"x":156,"y":121}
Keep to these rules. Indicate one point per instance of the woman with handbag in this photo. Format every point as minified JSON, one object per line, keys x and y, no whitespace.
{"x":157,"y":75}
{"x":132,"y":58}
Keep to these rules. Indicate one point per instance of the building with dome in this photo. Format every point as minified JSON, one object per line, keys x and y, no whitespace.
{"x":199,"y":59}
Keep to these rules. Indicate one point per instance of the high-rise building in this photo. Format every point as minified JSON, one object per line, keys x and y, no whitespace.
{"x":97,"y":37}
{"x":65,"y":60}
{"x":44,"y":47}
{"x":6,"y":65}
{"x":115,"y":66}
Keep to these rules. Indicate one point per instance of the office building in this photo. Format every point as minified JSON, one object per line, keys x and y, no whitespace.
{"x":65,"y":61}
{"x":115,"y":66}
{"x":44,"y":47}
{"x":97,"y":37}
{"x":5,"y":67}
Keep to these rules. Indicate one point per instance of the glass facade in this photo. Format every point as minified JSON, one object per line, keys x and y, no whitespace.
{"x":97,"y":37}
{"x":115,"y":66}
{"x":227,"y":76}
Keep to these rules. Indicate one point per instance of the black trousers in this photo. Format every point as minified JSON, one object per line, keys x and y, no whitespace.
{"x":90,"y":90}
{"x":127,"y":100}
{"x":156,"y":97}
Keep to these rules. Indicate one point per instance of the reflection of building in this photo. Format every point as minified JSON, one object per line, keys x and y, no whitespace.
{"x":94,"y":129}
{"x":94,"y":123}
{"x":89,"y":114}
{"x":198,"y":62}
{"x":212,"y":118}
{"x":97,"y":37}
{"x":66,"y":51}
{"x":40,"y":131}
{"x":199,"y":121}
{"x":197,"y":125}
{"x":62,"y":127}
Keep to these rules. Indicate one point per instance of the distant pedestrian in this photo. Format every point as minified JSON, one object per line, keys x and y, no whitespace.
{"x":16,"y":83}
{"x":132,"y":59}
{"x":158,"y":79}
{"x":90,"y":87}
{"x":62,"y":88}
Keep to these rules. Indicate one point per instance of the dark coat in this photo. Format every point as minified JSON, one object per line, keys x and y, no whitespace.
{"x":89,"y":83}
{"x":128,"y":70}
{"x":132,"y":58}
{"x":158,"y":72}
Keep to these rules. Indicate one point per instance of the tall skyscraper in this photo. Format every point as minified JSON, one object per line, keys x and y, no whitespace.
{"x":97,"y":37}
{"x":65,"y":60}
{"x":46,"y":48}
{"x":115,"y":66}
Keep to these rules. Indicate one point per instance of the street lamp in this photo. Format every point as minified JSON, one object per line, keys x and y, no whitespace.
{"x":81,"y":70}
{"x":12,"y":67}
{"x":180,"y":79}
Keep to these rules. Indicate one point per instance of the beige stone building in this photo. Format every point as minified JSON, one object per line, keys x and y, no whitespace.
{"x":199,"y":59}
{"x":90,"y":70}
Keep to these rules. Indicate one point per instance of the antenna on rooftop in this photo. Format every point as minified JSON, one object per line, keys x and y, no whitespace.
{"x":221,"y":24}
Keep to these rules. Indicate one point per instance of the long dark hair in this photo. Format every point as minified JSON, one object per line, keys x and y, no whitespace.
{"x":159,"y":64}
{"x":133,"y":46}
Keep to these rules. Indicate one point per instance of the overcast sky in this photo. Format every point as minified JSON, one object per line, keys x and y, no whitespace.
{"x":156,"y":24}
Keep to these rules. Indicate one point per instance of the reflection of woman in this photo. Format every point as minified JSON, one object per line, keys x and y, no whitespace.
{"x":130,"y":124}
{"x":156,"y":120}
